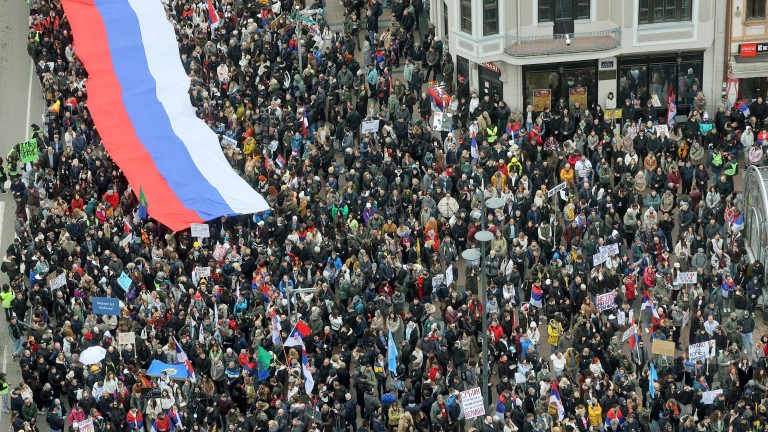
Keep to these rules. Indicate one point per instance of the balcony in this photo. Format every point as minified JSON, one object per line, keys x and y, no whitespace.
{"x":528,"y":46}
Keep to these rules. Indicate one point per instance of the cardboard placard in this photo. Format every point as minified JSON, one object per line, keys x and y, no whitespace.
{"x":665,"y":348}
{"x":612,"y":249}
{"x":56,"y":282}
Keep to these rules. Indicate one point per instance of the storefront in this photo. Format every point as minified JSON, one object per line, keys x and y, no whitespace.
{"x":545,"y":84}
{"x":645,"y":78}
{"x":750,"y":68}
{"x":489,"y":78}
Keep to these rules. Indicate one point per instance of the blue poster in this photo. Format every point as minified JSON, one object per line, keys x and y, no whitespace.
{"x":106,"y":306}
{"x":124,"y":281}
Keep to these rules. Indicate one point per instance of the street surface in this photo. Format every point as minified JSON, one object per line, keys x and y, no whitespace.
{"x":22,"y":105}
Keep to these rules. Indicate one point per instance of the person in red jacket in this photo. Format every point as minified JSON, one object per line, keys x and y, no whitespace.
{"x":111,"y":197}
{"x":162,"y":423}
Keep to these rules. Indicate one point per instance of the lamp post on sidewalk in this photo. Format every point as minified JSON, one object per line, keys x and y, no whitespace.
{"x":473,"y":255}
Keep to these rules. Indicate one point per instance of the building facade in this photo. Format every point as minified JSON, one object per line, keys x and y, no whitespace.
{"x":747,"y":42}
{"x":534,"y":52}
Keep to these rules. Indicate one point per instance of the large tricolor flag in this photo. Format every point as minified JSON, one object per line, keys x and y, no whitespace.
{"x":138,"y":97}
{"x":555,"y":397}
{"x":181,"y":358}
{"x":474,"y":152}
{"x":309,"y":381}
{"x":296,"y":338}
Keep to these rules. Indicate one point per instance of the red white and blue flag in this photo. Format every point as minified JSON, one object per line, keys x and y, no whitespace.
{"x":537,"y":295}
{"x":647,"y":303}
{"x":743,"y":107}
{"x":671,"y":106}
{"x":309,"y":381}
{"x":181,"y":358}
{"x":296,"y":338}
{"x":276,"y":327}
{"x":213,"y":16}
{"x":555,"y":397}
{"x":280,"y":161}
{"x":474,"y":152}
{"x":633,"y":338}
{"x":138,"y":97}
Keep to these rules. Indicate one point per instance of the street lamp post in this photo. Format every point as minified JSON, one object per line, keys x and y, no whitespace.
{"x":484,"y":237}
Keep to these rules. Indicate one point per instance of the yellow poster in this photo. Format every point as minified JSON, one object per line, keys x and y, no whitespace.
{"x":577,"y":94}
{"x":542,"y":99}
{"x":613,"y":113}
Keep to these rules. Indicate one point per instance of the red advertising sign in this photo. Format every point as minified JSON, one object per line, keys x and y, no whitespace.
{"x":748,"y":49}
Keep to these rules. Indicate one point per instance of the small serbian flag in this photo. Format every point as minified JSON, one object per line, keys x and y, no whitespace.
{"x":537,"y":295}
{"x":304,"y":122}
{"x":633,"y":337}
{"x":296,"y":338}
{"x":475,"y":152}
{"x":181,"y":358}
{"x":280,"y":161}
{"x":213,"y":17}
{"x":647,"y":303}
{"x":126,"y":226}
{"x":555,"y":397}
{"x":743,"y":107}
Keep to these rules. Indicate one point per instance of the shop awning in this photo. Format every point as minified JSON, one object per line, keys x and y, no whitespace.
{"x":749,"y":69}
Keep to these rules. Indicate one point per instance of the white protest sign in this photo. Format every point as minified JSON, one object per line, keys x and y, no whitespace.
{"x":437,"y":120}
{"x":611,"y":249}
{"x":449,"y":275}
{"x":662,"y":129}
{"x":59,"y":281}
{"x":86,"y":425}
{"x":199,"y":273}
{"x":126,"y":338}
{"x":472,"y":401}
{"x":437,"y":281}
{"x":686,"y":278}
{"x":555,"y":189}
{"x":701,"y":351}
{"x":605,"y":301}
{"x":219,"y":252}
{"x":200,"y":230}
{"x":370,"y":126}
{"x":708,"y":398}
{"x":600,"y":257}
{"x":628,"y":333}
{"x":227,"y":141}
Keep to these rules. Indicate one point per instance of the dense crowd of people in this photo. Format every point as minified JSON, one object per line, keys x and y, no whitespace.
{"x":375,"y":223}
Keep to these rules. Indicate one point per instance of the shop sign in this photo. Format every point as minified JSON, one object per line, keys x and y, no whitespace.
{"x":753,"y":48}
{"x":607,"y":64}
{"x":491,"y":66}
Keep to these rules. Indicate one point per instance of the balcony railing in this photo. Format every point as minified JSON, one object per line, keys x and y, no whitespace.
{"x":527,"y":46}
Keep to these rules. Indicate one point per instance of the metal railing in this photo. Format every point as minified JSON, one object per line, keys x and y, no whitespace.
{"x":527,"y":46}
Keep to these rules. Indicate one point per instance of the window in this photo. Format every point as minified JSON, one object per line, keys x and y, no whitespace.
{"x":466,"y":16}
{"x":490,"y":17}
{"x":755,"y":8}
{"x":551,"y":10}
{"x":661,"y":11}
